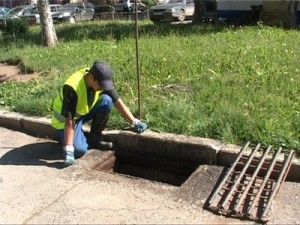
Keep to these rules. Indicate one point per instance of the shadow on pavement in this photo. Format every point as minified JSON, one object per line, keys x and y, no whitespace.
{"x":39,"y":154}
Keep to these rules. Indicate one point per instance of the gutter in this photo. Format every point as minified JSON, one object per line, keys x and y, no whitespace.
{"x":165,"y":145}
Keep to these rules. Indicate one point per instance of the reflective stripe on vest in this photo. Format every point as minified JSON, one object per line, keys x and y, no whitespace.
{"x":61,"y":118}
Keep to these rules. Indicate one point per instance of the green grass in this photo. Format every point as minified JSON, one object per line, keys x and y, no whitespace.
{"x":227,"y":83}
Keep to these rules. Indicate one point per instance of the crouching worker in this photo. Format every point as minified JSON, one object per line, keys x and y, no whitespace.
{"x":88,"y":95}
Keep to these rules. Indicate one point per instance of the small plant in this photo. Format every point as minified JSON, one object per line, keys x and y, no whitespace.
{"x":16,"y":27}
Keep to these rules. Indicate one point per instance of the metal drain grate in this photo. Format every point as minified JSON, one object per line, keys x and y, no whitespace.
{"x":251,"y":184}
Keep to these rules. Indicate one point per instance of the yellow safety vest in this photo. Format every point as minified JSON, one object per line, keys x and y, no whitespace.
{"x":76,"y":81}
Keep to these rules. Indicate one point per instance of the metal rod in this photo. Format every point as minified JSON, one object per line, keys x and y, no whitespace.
{"x":228,"y":174}
{"x":253,"y":177}
{"x":137,"y":60}
{"x":229,"y":194}
{"x":264,"y":182}
{"x":280,"y":179}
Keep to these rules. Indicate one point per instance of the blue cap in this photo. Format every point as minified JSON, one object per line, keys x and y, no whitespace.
{"x":103,"y":74}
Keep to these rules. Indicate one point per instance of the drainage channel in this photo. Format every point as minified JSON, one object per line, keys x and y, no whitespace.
{"x":149,"y":168}
{"x":251,"y":184}
{"x":245,"y":191}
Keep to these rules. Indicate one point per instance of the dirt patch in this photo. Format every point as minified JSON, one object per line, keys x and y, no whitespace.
{"x":14,"y":73}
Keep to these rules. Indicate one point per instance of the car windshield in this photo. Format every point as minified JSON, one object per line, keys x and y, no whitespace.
{"x":175,"y":1}
{"x":15,"y":10}
{"x":34,"y":11}
{"x":3,"y":11}
{"x":28,"y":10}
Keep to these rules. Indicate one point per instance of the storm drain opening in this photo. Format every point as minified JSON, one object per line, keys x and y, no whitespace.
{"x":245,"y":190}
{"x":148,"y":167}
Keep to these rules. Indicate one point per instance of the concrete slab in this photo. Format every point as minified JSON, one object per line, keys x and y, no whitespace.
{"x":36,"y":188}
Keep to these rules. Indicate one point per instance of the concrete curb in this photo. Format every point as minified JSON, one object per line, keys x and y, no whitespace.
{"x":175,"y":147}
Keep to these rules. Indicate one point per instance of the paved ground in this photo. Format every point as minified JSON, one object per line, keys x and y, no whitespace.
{"x":35,"y":188}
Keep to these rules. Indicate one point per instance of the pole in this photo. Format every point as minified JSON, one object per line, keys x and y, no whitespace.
{"x":137,"y":60}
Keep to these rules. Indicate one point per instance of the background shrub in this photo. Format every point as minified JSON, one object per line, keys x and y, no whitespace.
{"x":16,"y":27}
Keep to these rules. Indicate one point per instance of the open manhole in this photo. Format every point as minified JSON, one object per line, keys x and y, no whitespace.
{"x":144,"y":166}
{"x":157,"y":157}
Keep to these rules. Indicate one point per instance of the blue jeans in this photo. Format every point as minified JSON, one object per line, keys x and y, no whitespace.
{"x":103,"y":106}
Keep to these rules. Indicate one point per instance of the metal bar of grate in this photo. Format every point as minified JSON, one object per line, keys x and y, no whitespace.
{"x":228,"y":174}
{"x":237,"y":182}
{"x":250,"y":185}
{"x":265,"y":180}
{"x":281,"y":178}
{"x":252,"y":180}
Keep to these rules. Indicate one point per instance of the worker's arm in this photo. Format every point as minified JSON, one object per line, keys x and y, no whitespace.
{"x":138,"y":125}
{"x":68,"y":111}
{"x":69,"y":131}
{"x":68,"y":145}
{"x":124,"y":110}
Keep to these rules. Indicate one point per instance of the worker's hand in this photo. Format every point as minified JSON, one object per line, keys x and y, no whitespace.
{"x":139,"y":126}
{"x":69,"y":155}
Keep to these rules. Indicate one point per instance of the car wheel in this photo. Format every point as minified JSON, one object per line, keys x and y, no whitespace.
{"x":181,"y":15}
{"x":72,"y":19}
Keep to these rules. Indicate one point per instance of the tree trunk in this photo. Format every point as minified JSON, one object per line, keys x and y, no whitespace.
{"x":49,"y":37}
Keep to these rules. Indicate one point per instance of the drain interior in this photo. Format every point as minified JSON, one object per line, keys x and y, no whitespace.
{"x":148,"y":167}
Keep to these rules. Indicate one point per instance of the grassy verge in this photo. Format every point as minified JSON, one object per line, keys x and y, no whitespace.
{"x":232,"y":84}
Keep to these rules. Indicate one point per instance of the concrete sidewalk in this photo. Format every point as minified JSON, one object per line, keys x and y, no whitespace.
{"x":36,"y":188}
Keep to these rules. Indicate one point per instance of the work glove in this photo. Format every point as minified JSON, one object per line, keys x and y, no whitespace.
{"x":69,"y":155}
{"x":139,"y":126}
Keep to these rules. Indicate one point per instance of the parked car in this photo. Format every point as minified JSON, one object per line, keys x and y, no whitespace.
{"x":172,"y":10}
{"x":141,"y":6}
{"x":15,"y":13}
{"x":73,"y":12}
{"x":103,"y":11}
{"x":3,"y":10}
{"x":33,"y":17}
{"x":126,"y":6}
